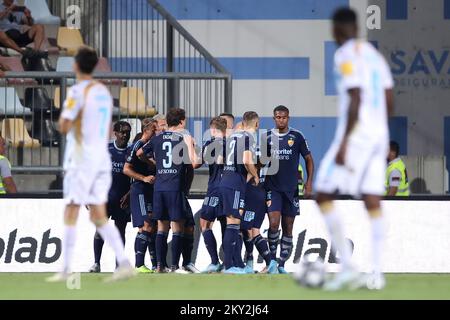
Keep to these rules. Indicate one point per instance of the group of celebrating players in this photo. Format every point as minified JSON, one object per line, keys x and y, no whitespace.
{"x":245,"y":181}
{"x":160,"y":164}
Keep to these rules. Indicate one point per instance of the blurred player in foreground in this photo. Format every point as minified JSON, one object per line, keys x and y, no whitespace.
{"x":86,"y":119}
{"x":118,"y":195}
{"x":356,"y":161}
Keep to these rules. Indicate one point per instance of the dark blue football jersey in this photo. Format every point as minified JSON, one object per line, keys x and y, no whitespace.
{"x":234,"y":172}
{"x":286,"y":148}
{"x":139,"y":166}
{"x":211,"y":152}
{"x":170,"y":154}
{"x":120,"y":182}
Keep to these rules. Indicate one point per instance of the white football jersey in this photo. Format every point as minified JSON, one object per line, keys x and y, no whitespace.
{"x":91,"y":112}
{"x":359,"y":65}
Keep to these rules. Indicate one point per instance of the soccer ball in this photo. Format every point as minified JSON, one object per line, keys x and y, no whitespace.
{"x":310,"y":272}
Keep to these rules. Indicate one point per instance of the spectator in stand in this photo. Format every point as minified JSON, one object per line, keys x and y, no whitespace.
{"x":7,"y":184}
{"x":18,"y":30}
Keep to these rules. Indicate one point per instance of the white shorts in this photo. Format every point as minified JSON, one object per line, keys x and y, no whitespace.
{"x":84,"y":187}
{"x":363,"y":173}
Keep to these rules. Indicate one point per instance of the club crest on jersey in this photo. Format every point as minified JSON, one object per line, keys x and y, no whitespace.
{"x":291,"y":142}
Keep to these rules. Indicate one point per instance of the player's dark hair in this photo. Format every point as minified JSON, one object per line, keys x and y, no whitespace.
{"x":175,"y":116}
{"x":137,"y":137}
{"x":86,"y":59}
{"x":218,"y":123}
{"x":280,"y":108}
{"x":395,"y":147}
{"x":120,"y":124}
{"x":249,"y":116}
{"x":229,"y":115}
{"x":344,"y":16}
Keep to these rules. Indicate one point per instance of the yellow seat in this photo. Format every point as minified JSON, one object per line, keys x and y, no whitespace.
{"x":132,"y":103}
{"x":69,"y":40}
{"x":15,"y":133}
{"x":57,"y":97}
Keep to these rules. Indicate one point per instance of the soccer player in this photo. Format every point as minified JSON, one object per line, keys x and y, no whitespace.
{"x":161,"y":123}
{"x":284,"y":146}
{"x":255,"y":212}
{"x":213,"y":153}
{"x":356,"y":161}
{"x":238,"y":163}
{"x":86,"y":119}
{"x":189,"y":226}
{"x":230,"y":121}
{"x":141,"y":198}
{"x":171,"y":151}
{"x":119,"y":191}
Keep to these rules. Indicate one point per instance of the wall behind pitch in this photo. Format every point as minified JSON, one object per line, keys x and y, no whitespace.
{"x":416,"y":237}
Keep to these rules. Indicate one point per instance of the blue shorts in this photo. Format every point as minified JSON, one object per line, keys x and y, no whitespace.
{"x":189,"y":216}
{"x":255,"y":208}
{"x":212,"y":207}
{"x":141,"y":203}
{"x":169,"y":205}
{"x":233,"y":202}
{"x":115,"y":212}
{"x":285,"y":202}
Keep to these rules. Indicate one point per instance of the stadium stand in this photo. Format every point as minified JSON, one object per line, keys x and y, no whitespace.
{"x":15,"y":133}
{"x":69,"y":40}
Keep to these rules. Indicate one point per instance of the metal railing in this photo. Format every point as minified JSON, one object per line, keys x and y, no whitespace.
{"x":29,"y":109}
{"x":141,"y":36}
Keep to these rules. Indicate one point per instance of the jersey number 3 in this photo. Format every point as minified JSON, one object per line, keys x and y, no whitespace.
{"x":167,"y":161}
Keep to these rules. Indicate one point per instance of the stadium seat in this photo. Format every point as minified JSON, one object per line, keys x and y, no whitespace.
{"x":136,"y":126}
{"x":15,"y":65}
{"x":41,"y":13}
{"x":64,"y":64}
{"x":69,"y":40}
{"x":10,"y":104}
{"x":56,"y":97}
{"x":15,"y":133}
{"x":104,"y":67}
{"x":132,"y":102}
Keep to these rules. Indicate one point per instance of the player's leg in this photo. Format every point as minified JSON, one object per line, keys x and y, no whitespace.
{"x":372,"y":203}
{"x":372,"y":188}
{"x":68,"y":242}
{"x":139,"y":212}
{"x":111,"y":235}
{"x":274,"y":206}
{"x":177,"y":243}
{"x":175,"y":202}
{"x":160,"y":214}
{"x":287,"y":224}
{"x":262,"y":246}
{"x":161,"y":245}
{"x":152,"y":230}
{"x":188,"y":239}
{"x":233,"y":211}
{"x":237,"y":256}
{"x":98,"y":248}
{"x":70,"y":221}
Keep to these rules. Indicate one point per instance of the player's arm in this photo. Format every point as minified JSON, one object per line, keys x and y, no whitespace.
{"x":390,"y":102}
{"x":394,"y":182}
{"x":250,"y":165}
{"x":70,"y":112}
{"x":124,"y":201}
{"x":305,"y":152}
{"x":128,"y":171}
{"x":189,"y":178}
{"x":195,"y":160}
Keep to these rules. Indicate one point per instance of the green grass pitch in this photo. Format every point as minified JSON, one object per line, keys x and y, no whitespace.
{"x":214,"y":287}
